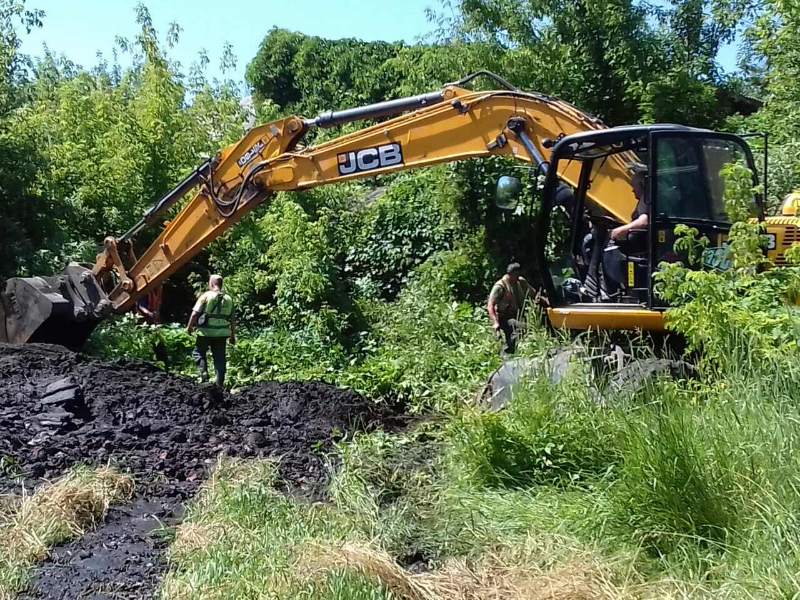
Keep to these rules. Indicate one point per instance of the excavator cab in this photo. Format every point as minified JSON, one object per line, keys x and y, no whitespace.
{"x":590,"y":279}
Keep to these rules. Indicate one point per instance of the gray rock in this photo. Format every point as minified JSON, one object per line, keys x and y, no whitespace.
{"x":61,"y":397}
{"x":55,"y":418}
{"x":61,"y":384}
{"x":256,"y":439}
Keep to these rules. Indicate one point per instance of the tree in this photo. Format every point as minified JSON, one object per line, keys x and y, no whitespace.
{"x":312,"y":74}
{"x":88,"y":151}
{"x":24,"y":227}
{"x":620,"y":60}
{"x":774,"y":41}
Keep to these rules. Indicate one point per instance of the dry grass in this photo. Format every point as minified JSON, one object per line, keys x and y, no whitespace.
{"x":9,"y":504}
{"x":55,"y":513}
{"x":192,"y":537}
{"x":459,"y":579}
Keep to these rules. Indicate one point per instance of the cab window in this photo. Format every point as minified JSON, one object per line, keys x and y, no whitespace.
{"x":689,"y":183}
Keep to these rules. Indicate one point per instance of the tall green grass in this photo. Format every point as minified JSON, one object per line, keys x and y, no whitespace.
{"x":703,"y":476}
{"x":686,"y":489}
{"x":242,"y":539}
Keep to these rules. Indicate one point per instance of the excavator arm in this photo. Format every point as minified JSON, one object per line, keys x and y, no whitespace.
{"x":450,"y":125}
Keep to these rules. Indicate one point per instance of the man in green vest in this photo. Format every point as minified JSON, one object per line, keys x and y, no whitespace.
{"x":213,"y":318}
{"x":506,"y":303}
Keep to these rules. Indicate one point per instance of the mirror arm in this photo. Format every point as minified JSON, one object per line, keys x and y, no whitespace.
{"x":517,"y":125}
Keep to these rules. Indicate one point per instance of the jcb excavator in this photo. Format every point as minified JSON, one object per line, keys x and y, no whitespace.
{"x":567,"y":146}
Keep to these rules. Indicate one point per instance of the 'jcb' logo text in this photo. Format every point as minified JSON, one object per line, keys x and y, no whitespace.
{"x":370,"y":159}
{"x":250,"y":155}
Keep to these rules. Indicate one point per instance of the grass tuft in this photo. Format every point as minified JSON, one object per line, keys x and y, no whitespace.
{"x":55,"y":513}
{"x":196,"y":537}
{"x":317,"y":560}
{"x":239,"y":539}
{"x":460,"y":579}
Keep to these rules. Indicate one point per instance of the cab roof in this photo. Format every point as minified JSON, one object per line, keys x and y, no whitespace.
{"x":594,"y":144}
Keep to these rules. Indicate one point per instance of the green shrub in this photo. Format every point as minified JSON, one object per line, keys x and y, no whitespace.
{"x":426,"y":348}
{"x":278,"y":355}
{"x":742,"y":315}
{"x":548,"y":435}
{"x":401,"y":229}
{"x":168,"y":345}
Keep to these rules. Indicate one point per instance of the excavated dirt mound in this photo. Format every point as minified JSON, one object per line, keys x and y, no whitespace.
{"x":58,"y":408}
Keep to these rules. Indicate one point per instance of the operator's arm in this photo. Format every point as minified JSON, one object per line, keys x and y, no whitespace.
{"x":233,"y":328}
{"x":639,"y":222}
{"x":492,"y":308}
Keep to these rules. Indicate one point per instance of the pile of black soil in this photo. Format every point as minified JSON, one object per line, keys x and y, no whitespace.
{"x":58,"y":408}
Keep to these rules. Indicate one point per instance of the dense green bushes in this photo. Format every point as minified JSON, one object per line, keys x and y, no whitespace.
{"x":424,"y":348}
{"x":93,"y":150}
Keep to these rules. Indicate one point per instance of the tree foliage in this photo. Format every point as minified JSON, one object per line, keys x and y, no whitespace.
{"x":91,"y":150}
{"x":620,"y":60}
{"x":355,"y":276}
{"x":769,"y":61}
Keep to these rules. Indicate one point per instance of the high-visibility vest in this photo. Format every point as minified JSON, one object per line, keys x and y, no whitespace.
{"x":218,"y":311}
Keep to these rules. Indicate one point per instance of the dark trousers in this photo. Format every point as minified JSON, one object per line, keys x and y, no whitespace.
{"x":512,"y":329}
{"x":200,"y":351}
{"x":613,"y":265}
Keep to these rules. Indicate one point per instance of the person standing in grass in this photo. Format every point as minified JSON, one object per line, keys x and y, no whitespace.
{"x":506,"y":303}
{"x":213,"y":317}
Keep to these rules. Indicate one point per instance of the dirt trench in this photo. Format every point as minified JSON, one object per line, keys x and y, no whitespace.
{"x":58,"y":408}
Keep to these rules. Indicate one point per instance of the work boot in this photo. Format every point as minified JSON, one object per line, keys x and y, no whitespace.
{"x":203,"y":377}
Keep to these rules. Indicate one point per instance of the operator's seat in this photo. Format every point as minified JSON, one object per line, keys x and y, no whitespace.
{"x":626,"y":267}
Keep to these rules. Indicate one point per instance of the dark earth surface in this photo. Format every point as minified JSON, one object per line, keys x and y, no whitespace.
{"x":124,"y":558}
{"x":58,"y":408}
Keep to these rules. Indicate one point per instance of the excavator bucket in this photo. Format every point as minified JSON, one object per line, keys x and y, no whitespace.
{"x":63,"y":309}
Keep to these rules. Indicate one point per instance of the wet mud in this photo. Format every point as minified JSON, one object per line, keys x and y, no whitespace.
{"x":58,"y":408}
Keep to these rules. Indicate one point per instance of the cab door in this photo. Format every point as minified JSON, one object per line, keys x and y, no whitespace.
{"x":686,"y":187}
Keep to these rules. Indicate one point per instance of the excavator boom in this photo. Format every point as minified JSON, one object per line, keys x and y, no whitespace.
{"x":449,"y":125}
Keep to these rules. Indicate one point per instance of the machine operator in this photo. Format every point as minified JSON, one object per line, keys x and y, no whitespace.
{"x":639,"y":218}
{"x":613,"y":258}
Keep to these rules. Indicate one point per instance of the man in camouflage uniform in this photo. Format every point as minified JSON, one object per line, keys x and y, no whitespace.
{"x":506,"y":303}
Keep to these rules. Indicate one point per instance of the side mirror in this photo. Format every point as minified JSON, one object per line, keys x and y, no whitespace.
{"x":508,"y":191}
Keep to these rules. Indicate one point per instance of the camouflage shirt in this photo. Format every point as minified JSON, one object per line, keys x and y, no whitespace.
{"x":510,"y":297}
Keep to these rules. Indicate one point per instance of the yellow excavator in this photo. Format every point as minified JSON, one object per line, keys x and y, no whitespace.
{"x":579,"y":158}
